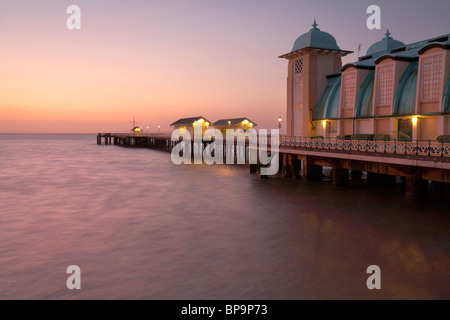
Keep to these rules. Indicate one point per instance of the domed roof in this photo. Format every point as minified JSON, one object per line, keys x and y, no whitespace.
{"x":315,"y":39}
{"x":388,"y":43}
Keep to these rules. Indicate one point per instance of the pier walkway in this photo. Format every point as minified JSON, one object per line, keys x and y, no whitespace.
{"x":416,"y":161}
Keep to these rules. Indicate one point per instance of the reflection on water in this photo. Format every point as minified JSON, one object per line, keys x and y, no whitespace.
{"x":142,"y":228}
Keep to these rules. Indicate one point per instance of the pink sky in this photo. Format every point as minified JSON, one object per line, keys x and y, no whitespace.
{"x":164,"y":60}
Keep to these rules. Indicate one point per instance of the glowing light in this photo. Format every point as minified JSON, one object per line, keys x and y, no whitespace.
{"x":229,"y":122}
{"x":324,"y":123}
{"x":279,"y":119}
{"x":414,"y":120}
{"x":251,"y":124}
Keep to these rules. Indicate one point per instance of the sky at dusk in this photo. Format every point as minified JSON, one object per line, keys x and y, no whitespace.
{"x":161,"y":60}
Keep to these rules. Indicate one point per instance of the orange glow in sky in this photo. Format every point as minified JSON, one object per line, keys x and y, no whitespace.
{"x":164,"y":60}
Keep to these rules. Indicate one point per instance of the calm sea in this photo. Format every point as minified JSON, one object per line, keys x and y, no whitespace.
{"x":140,"y":227}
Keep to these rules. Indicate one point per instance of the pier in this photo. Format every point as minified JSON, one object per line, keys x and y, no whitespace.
{"x":417,"y":162}
{"x":163,"y":141}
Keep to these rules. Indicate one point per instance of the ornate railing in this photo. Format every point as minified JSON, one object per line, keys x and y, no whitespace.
{"x":428,"y":148}
{"x":422,"y":148}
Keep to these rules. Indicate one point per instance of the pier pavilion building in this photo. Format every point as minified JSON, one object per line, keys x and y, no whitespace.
{"x":137,"y":130}
{"x":188,"y":124}
{"x":395,"y":91}
{"x":234,"y":124}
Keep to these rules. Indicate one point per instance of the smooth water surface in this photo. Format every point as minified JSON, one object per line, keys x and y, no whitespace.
{"x":141,"y":227}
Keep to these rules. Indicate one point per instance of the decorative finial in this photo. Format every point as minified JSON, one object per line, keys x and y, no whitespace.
{"x":314,"y":25}
{"x":388,"y":34}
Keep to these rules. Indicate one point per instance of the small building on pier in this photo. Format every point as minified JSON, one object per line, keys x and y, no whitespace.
{"x":234,"y":124}
{"x":395,"y":91}
{"x":189,"y":124}
{"x":137,"y":131}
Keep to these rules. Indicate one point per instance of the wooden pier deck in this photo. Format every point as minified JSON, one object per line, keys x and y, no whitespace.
{"x":152,"y":140}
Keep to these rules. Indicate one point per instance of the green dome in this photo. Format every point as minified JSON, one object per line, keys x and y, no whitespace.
{"x":315,"y":39}
{"x":387,"y":44}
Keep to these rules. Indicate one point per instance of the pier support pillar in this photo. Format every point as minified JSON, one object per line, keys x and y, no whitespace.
{"x":339,"y":176}
{"x":289,"y":167}
{"x":312,"y":172}
{"x":253,"y":168}
{"x":356,"y":176}
{"x":416,"y":187}
{"x":296,"y":165}
{"x":99,"y":139}
{"x":284,"y":167}
{"x":280,"y":165}
{"x":107,"y":139}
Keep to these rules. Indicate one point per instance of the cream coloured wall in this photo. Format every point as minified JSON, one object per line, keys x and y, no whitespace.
{"x":428,"y":128}
{"x":346,"y":127}
{"x":364,"y":126}
{"x":382,"y":125}
{"x":298,"y":85}
{"x":446,"y":69}
{"x":319,"y":65}
{"x":321,"y":130}
{"x":289,"y":104}
{"x":303,"y":91}
{"x":446,"y":129}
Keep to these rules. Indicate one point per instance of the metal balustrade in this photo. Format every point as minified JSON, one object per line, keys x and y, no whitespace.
{"x":427,"y":148}
{"x":422,"y":148}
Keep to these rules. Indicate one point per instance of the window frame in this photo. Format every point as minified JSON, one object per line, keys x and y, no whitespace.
{"x":345,"y":95}
{"x":435,"y":84}
{"x":385,"y":85}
